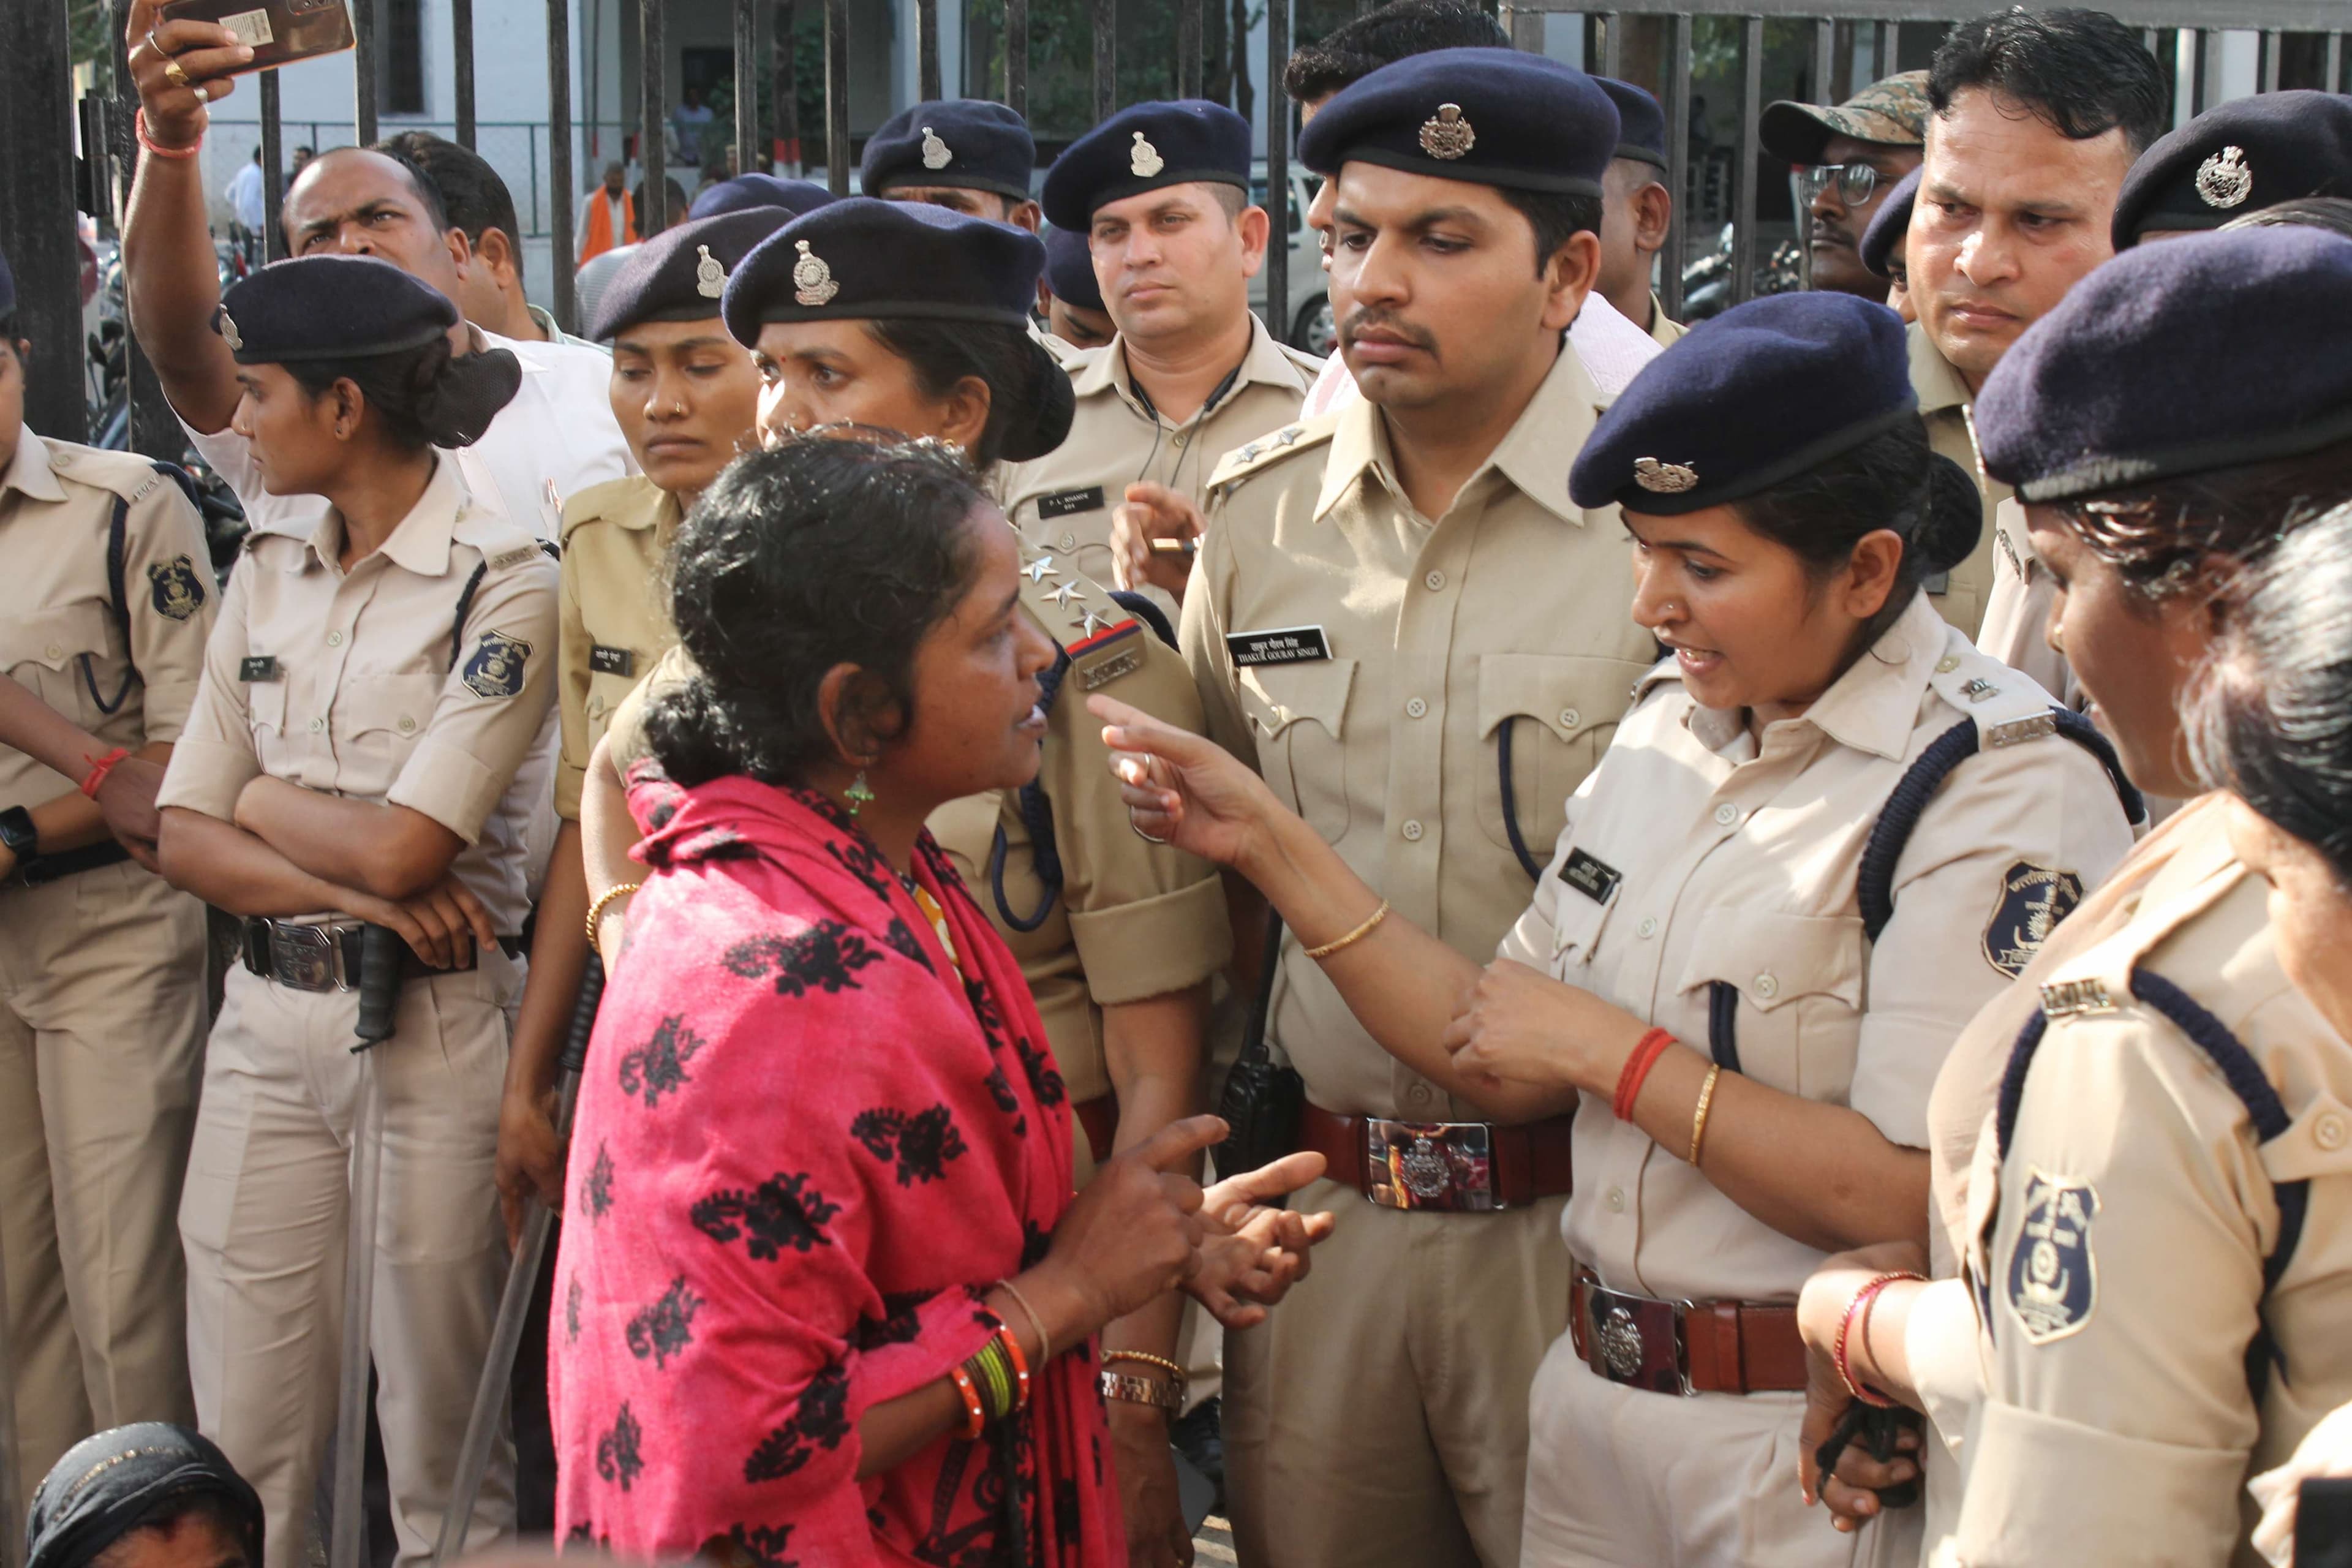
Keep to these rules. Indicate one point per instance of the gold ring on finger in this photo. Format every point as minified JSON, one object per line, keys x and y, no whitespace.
{"x":175,"y":73}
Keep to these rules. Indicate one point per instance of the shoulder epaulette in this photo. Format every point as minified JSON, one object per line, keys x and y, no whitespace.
{"x":125,"y":474}
{"x":598,"y":500}
{"x":1265,"y":451}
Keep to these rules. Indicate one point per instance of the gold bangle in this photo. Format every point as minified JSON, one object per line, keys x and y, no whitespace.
{"x":1706,"y":1103}
{"x":1353,"y":937}
{"x":1044,"y":1340}
{"x":1146,"y":1391}
{"x":1176,"y":1374}
{"x":596,"y":909}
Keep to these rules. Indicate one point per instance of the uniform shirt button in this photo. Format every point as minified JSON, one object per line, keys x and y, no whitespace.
{"x":1415,"y":708}
{"x":1180,"y":438}
{"x":1727,"y":813}
{"x":54,"y":650}
{"x":407,"y":725}
{"x":1412,"y":831}
{"x":1767,"y":987}
{"x":1648,"y":928}
{"x":334,"y":640}
{"x":1569,"y":718}
{"x":2329,"y":1131}
{"x":1419,"y":1095}
{"x":1617,"y":1200}
{"x":1948,"y":663}
{"x":1435,"y":580}
{"x":1069,"y":542}
{"x":318,"y":726}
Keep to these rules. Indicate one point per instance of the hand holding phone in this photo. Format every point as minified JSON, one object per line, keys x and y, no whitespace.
{"x":279,"y":32}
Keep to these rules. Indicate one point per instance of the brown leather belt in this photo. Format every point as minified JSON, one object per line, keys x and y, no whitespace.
{"x":1459,"y":1166}
{"x":1098,"y":1119}
{"x":1685,"y":1347}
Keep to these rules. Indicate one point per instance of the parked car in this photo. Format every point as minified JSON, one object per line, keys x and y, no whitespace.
{"x":1309,"y":317}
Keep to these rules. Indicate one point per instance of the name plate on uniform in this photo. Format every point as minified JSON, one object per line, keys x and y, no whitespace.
{"x":602,"y":661}
{"x":1282,"y":645}
{"x":1064,"y":503}
{"x":262,"y":666}
{"x":1595,"y":878}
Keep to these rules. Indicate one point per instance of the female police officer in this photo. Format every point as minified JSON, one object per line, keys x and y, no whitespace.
{"x":687,"y":397}
{"x":2140,"y":1152}
{"x":375,"y":681}
{"x":912,"y":319}
{"x":1760,"y":931}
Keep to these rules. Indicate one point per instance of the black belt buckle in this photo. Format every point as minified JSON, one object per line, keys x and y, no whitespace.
{"x":1637,"y":1341}
{"x":1444,"y":1165}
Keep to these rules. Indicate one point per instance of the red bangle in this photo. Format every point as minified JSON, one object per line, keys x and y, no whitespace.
{"x":138,"y":127}
{"x":1020,"y":1364}
{"x":98,"y":769}
{"x":975,"y":1413}
{"x":1860,"y":1307}
{"x":1646,"y":1052}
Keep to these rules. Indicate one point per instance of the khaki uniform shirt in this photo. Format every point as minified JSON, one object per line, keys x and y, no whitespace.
{"x":2116,"y":1255}
{"x":347,"y":683}
{"x":1063,"y":502}
{"x":1696,"y":858}
{"x":1368,"y":660}
{"x":1663,"y":330}
{"x":616,"y":621}
{"x":1945,"y":402}
{"x":2017,"y":607}
{"x":129,"y":685}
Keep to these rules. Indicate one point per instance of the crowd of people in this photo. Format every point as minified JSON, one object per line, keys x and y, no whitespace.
{"x":1561,"y":940}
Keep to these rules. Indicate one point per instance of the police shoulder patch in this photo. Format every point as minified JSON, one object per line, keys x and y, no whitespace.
{"x":2052,"y":1283}
{"x":496,"y":669}
{"x":175,"y":588}
{"x":2033,"y":900}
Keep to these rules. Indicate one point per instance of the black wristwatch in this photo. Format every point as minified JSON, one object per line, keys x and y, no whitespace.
{"x":21,"y":838}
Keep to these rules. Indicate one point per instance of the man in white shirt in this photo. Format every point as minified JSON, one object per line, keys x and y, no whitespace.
{"x":242,"y":195}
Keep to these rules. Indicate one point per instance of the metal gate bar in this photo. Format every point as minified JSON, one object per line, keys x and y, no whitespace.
{"x":1277,"y":170}
{"x":653,"y":115}
{"x":461,"y":75}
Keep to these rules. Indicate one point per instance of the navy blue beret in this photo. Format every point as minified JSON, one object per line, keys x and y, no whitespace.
{"x":1070,"y":268}
{"x":329,"y":307}
{"x":7,"y":286}
{"x":1641,"y":123}
{"x":1889,"y":225}
{"x":2238,"y":157}
{"x":1490,"y":117}
{"x":745,"y":192}
{"x":967,"y":143}
{"x":1747,"y":399}
{"x":1143,"y":148}
{"x":861,"y":259}
{"x":680,"y":274}
{"x":2205,"y":352}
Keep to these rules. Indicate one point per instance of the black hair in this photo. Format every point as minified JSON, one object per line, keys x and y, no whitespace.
{"x":2082,"y":73}
{"x":1556,"y":218}
{"x":1396,"y":31}
{"x":2333,"y":214}
{"x":427,"y":193}
{"x":2157,"y":536}
{"x":2272,"y":719}
{"x":425,"y":396}
{"x":816,"y":554}
{"x":166,"y":1513}
{"x":472,"y":196}
{"x":9,"y":333}
{"x":1893,"y":480}
{"x":1030,"y":402}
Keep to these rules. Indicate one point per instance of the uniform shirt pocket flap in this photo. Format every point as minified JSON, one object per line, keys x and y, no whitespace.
{"x":2318,"y":1142}
{"x":54,"y":638}
{"x":1772,"y":958}
{"x":1567,"y":695}
{"x":402,"y":704}
{"x":265,"y":704}
{"x":1576,"y":922}
{"x":1279,"y":696}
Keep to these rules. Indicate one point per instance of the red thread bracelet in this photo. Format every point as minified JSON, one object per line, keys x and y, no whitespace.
{"x":98,"y":769}
{"x":1860,"y":1307}
{"x":139,"y":128}
{"x":1646,"y":1052}
{"x":975,"y":1413}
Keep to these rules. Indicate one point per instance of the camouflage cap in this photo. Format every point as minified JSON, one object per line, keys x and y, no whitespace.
{"x":1892,"y":112}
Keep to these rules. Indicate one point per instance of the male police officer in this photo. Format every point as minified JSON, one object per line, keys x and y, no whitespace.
{"x":966,"y":154}
{"x":1639,"y":210}
{"x":1162,"y":191}
{"x":103,"y":618}
{"x":1400,"y":617}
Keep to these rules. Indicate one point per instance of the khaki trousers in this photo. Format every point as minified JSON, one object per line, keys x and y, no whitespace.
{"x":1380,"y":1415}
{"x":266,"y":1219}
{"x":101,"y":1041}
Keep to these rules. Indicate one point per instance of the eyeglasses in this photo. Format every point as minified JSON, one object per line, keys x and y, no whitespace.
{"x":1856,"y":182}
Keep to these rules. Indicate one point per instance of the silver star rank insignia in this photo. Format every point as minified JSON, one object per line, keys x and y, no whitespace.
{"x":1089,"y":620}
{"x":1040,"y":569}
{"x":1063,"y":593}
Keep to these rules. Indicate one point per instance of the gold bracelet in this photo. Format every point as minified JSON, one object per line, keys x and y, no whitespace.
{"x":596,"y":909}
{"x":1353,"y":937}
{"x":1147,"y":1391}
{"x":1176,"y":1374}
{"x":1044,"y":1340}
{"x":1706,"y":1103}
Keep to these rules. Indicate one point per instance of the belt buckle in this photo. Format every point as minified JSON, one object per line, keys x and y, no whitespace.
{"x":1637,"y":1341}
{"x":1444,"y":1165}
{"x":302,"y":958}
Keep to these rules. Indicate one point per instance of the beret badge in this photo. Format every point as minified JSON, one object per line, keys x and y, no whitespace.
{"x":229,"y":334}
{"x":1664,"y":479}
{"x":710,"y":277}
{"x":812,"y":282}
{"x":1448,"y":135}
{"x":935,"y":152}
{"x":1143,"y":160}
{"x":2223,"y":180}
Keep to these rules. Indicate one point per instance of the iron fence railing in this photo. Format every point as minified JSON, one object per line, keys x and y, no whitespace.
{"x":1718,"y":182}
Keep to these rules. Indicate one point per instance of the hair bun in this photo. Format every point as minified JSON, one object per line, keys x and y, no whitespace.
{"x":1042,"y":422}
{"x":1955,"y":521}
{"x":456,"y":405}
